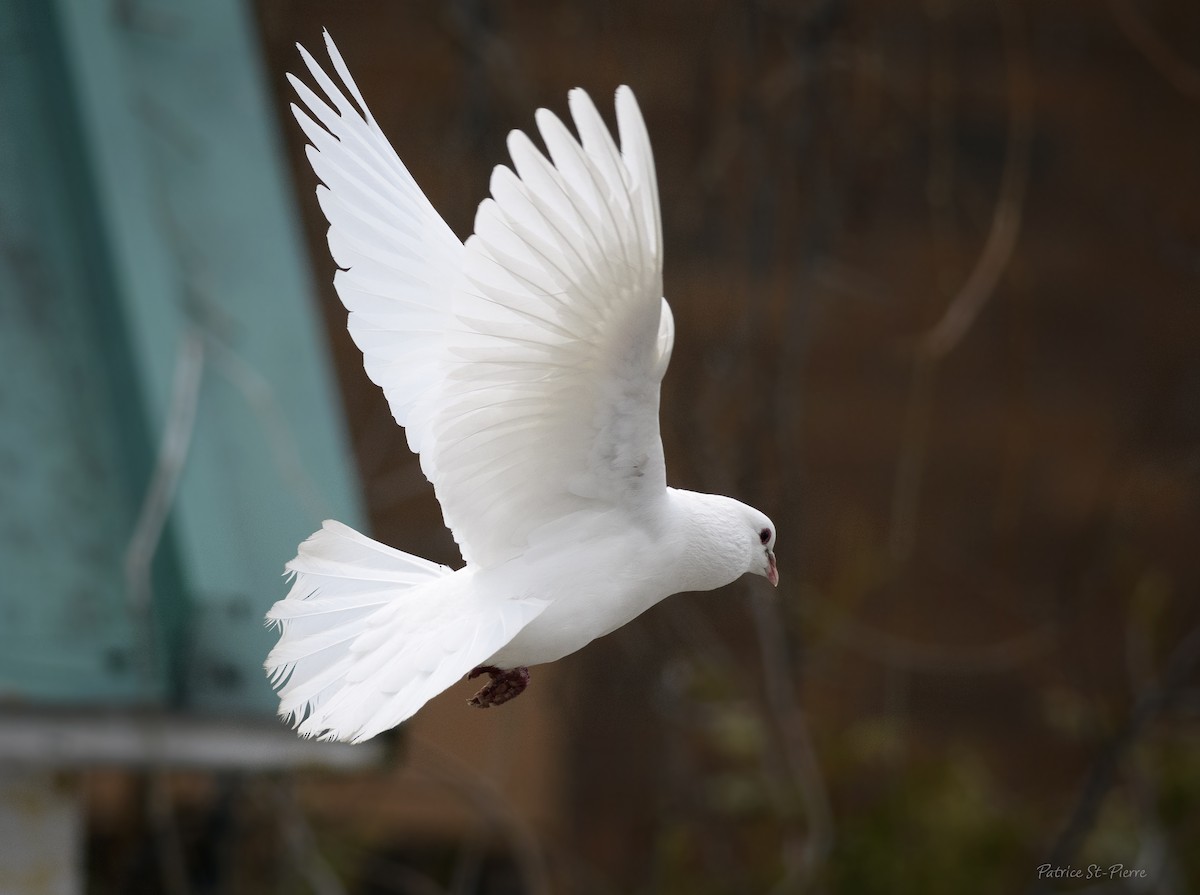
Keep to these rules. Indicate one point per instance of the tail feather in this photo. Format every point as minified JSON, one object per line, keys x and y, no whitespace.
{"x":369,"y":634}
{"x":337,"y":550}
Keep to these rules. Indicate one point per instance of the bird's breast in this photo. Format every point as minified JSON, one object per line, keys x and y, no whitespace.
{"x":592,"y":591}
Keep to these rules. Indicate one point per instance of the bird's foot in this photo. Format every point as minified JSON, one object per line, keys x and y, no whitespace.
{"x":504,"y":685}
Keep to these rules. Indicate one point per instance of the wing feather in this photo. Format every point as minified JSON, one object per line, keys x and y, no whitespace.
{"x":526,"y":364}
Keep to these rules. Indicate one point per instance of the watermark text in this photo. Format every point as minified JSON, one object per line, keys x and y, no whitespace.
{"x":1091,"y":871}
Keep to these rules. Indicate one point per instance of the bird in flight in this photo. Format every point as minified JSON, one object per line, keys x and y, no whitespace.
{"x":524,"y":365}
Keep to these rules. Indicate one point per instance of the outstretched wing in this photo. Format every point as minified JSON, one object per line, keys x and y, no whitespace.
{"x":526,"y":364}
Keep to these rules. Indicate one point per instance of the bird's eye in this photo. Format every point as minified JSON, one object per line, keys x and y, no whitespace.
{"x":765,"y":535}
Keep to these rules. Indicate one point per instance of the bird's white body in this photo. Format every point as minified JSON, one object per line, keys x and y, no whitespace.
{"x":525,"y":367}
{"x":587,"y":595}
{"x":592,"y":594}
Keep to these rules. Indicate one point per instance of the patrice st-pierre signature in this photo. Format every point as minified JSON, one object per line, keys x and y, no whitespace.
{"x":1092,"y":871}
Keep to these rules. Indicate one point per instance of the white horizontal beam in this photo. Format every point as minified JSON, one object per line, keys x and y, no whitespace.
{"x":66,"y":740}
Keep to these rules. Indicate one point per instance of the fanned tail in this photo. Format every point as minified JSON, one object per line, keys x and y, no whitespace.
{"x":369,"y":634}
{"x":343,"y":583}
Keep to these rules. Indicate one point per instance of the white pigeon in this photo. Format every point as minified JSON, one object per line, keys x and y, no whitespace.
{"x":525,"y":366}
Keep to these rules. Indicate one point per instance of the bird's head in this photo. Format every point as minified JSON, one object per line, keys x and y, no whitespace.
{"x":726,"y":539}
{"x":762,"y":548}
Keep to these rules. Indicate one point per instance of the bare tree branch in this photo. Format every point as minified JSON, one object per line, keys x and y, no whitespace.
{"x":301,"y":843}
{"x":482,"y":795}
{"x":939,"y":658}
{"x":974,"y":294}
{"x":1006,"y":220}
{"x":1151,"y":701}
{"x":799,"y":753}
{"x":1181,"y":75}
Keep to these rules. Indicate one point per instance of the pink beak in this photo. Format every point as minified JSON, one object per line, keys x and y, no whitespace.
{"x":772,"y":571}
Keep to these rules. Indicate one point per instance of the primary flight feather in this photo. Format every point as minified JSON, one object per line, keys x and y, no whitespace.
{"x":525,"y":367}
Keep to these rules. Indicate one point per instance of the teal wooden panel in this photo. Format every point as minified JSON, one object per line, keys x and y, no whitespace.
{"x":194,"y":220}
{"x":66,"y":489}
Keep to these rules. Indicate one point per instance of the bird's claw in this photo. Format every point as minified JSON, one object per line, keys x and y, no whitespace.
{"x":503,"y":686}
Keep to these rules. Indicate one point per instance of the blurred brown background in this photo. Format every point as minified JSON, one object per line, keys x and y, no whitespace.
{"x":935,"y":270}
